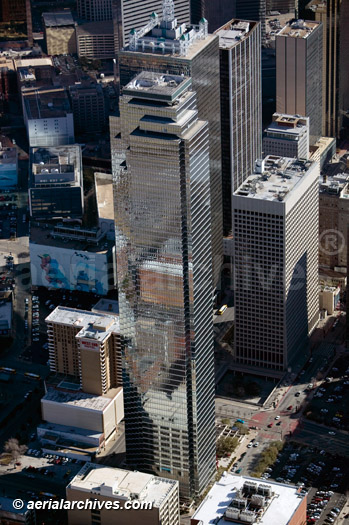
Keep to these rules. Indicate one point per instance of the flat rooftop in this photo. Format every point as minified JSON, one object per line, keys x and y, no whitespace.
{"x":234,"y":32}
{"x":277,"y":511}
{"x":6,"y":505}
{"x":115,"y":482}
{"x":157,"y":86}
{"x":80,"y":399}
{"x":108,"y":306}
{"x":44,"y":103}
{"x":87,"y":29}
{"x":288,"y":124}
{"x":335,"y":185}
{"x":299,"y":29}
{"x":58,"y":19}
{"x":49,"y":164}
{"x":33,"y":62}
{"x":44,"y":234}
{"x":100,"y":325}
{"x":279,"y":177}
{"x":104,"y":196}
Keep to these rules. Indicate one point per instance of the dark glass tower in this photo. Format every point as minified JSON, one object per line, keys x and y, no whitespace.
{"x":177,"y":49}
{"x":164,"y":266}
{"x":241,"y":106}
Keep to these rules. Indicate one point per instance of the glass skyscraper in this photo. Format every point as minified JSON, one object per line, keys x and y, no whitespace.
{"x":174,"y":48}
{"x":164,"y":266}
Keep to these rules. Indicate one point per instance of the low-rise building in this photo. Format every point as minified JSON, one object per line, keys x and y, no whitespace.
{"x":159,"y":495}
{"x":80,"y":422}
{"x":323,"y":150}
{"x":59,"y":30}
{"x":73,"y":257}
{"x":287,"y":136}
{"x":329,"y":298}
{"x":10,"y":515}
{"x":239,"y":499}
{"x":8,"y":167}
{"x":56,"y":182}
{"x":47,"y":116}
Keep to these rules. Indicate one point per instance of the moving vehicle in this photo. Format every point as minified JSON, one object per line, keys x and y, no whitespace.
{"x":222,"y":309}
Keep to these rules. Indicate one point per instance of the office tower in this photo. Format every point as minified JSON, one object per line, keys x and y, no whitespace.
{"x":241,"y":106}
{"x":253,"y":10}
{"x":95,"y":10}
{"x":287,"y":136}
{"x":333,"y":221}
{"x":299,"y":73}
{"x":164,"y":267}
{"x":134,"y":14}
{"x":17,"y":14}
{"x":85,"y":346}
{"x":96,"y":40}
{"x":283,"y":6}
{"x":191,"y":51}
{"x":59,"y":30}
{"x":117,"y":485}
{"x":275,"y":228}
{"x":217,"y":13}
{"x":334,"y":16}
{"x":89,"y":107}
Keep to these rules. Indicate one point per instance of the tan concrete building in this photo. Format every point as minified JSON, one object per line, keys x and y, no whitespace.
{"x":122,"y":487}
{"x":100,"y":414}
{"x":334,"y":219}
{"x":299,"y":73}
{"x":59,"y":30}
{"x":85,"y":345}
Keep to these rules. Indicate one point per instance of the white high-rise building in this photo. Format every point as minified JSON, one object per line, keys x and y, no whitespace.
{"x":275,"y":228}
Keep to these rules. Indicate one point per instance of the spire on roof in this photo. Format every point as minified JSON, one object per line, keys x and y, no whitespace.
{"x":168,"y":13}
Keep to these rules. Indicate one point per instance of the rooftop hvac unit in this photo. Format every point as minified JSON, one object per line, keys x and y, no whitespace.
{"x":240,"y":503}
{"x":264,"y":490}
{"x":250,"y":487}
{"x":232,"y":513}
{"x":259,"y":166}
{"x":248,"y":516}
{"x":258,"y":500}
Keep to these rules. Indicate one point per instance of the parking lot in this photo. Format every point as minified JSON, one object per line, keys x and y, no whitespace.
{"x":329,"y":404}
{"x":322,"y":475}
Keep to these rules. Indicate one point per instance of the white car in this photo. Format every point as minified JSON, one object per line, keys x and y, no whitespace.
{"x":276,"y":418}
{"x":249,"y":445}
